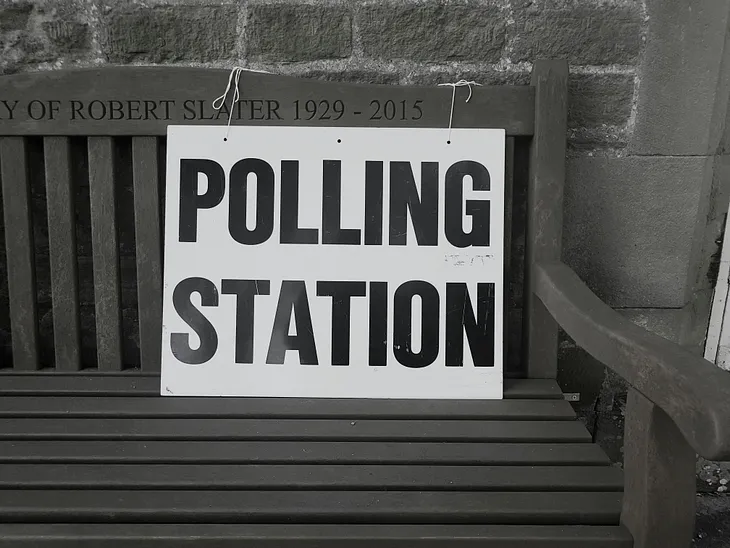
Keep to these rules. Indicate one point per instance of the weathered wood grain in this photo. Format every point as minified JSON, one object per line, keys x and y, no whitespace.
{"x":181,"y":535}
{"x":406,"y":477}
{"x":102,"y":406}
{"x":105,"y":245}
{"x":293,"y":429}
{"x":533,"y":508}
{"x":19,"y":253}
{"x":312,"y":452}
{"x":62,"y":249}
{"x":148,"y":249}
{"x":659,"y":503}
{"x":545,"y":210}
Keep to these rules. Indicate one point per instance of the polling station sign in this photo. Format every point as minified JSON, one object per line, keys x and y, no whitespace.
{"x":333,"y":262}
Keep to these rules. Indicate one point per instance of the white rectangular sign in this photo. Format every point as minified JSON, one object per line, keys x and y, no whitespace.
{"x":334,"y":262}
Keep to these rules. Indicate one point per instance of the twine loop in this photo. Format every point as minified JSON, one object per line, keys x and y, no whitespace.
{"x":453,"y":86}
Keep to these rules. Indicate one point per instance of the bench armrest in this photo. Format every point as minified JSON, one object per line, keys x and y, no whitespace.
{"x":693,"y":392}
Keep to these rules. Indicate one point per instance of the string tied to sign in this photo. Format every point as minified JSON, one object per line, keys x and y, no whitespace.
{"x":453,"y":86}
{"x":233,"y":81}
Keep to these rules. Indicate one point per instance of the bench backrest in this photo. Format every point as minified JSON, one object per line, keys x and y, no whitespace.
{"x":81,"y":163}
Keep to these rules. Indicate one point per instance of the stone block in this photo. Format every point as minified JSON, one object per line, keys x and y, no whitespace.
{"x":433,"y":32}
{"x":685,"y":78}
{"x":487,"y":77}
{"x":169,"y":33}
{"x":15,"y":16}
{"x":593,"y":34}
{"x":67,"y":36}
{"x":628,"y":226}
{"x":596,"y":100}
{"x":298,"y":32}
{"x":357,"y":76}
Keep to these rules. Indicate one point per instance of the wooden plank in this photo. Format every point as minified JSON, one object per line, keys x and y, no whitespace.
{"x":182,"y":535}
{"x":509,"y":181}
{"x":106,"y":253}
{"x":19,"y":253}
{"x":135,"y":385}
{"x":545,"y":210}
{"x":148,"y":99}
{"x":312,"y":477}
{"x":148,"y":250}
{"x":98,"y":407}
{"x":659,"y":507}
{"x":532,"y":389}
{"x":62,"y":249}
{"x":533,"y":508}
{"x":287,"y":429}
{"x":282,"y":452}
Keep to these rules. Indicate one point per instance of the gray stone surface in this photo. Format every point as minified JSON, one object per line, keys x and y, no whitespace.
{"x":629,"y":223}
{"x":15,"y":16}
{"x":724,"y":147}
{"x":684,"y":78}
{"x":68,"y":36}
{"x":169,"y":33}
{"x":585,"y":33}
{"x":42,"y":32}
{"x":596,"y":100}
{"x":298,"y":32}
{"x":704,"y":263}
{"x":432,"y":32}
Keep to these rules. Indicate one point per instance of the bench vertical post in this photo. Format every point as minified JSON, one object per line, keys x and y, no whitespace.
{"x":148,"y":239}
{"x":545,"y":210}
{"x":19,"y":253}
{"x":105,"y":244}
{"x":62,"y":247}
{"x":659,"y":469}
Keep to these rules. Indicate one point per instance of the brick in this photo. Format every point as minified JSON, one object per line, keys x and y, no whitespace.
{"x":15,"y":17}
{"x":356,"y":76}
{"x":599,"y":99}
{"x":583,"y":35}
{"x":484,"y":77}
{"x":67,"y":36}
{"x":298,"y":32}
{"x":433,"y":32}
{"x":170,"y":33}
{"x":629,"y":224}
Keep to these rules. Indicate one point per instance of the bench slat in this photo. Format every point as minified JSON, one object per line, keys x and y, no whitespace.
{"x":135,"y":385}
{"x":288,"y":429}
{"x":279,"y":452}
{"x":534,"y":508}
{"x":106,"y":253}
{"x":310,"y":536}
{"x":19,"y":252}
{"x":148,"y":238}
{"x":62,"y":248}
{"x":97,"y":407}
{"x":351,"y":477}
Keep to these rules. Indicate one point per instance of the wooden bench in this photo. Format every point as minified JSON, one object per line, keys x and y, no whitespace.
{"x":90,"y":455}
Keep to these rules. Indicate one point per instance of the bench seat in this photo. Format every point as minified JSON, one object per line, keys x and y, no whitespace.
{"x":86,"y":458}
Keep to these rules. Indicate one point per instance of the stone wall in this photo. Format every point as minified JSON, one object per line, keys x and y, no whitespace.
{"x":648,"y":164}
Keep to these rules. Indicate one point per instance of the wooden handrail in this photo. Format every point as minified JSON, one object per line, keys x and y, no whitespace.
{"x":692,"y":391}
